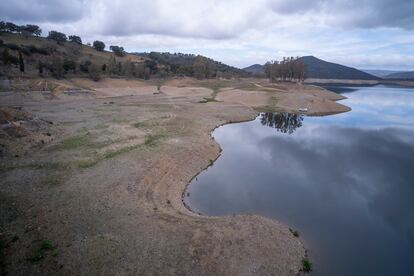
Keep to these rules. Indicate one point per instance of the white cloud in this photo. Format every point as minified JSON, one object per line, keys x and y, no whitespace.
{"x":364,"y":33}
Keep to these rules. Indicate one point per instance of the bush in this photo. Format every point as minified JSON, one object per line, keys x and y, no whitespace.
{"x":69,"y":64}
{"x":84,"y":66}
{"x":306,"y":265}
{"x":7,"y":58}
{"x":25,"y":51}
{"x":56,"y":67}
{"x":94,"y":72}
{"x":34,"y":50}
{"x":99,"y":45}
{"x":12,"y":46}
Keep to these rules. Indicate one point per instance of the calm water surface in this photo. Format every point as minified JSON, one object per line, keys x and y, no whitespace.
{"x":345,"y":182}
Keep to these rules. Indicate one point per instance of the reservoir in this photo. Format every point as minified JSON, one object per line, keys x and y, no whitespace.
{"x":345,"y":182}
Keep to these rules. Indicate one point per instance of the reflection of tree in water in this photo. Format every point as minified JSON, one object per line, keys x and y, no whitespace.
{"x":283,"y":122}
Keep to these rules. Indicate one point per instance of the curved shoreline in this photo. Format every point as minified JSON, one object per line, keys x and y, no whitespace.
{"x":132,"y":205}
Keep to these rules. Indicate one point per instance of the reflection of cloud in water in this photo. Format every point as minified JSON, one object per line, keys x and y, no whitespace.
{"x":345,"y":182}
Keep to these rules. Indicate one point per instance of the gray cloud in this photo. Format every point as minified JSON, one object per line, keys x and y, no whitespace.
{"x":211,"y":20}
{"x":239,"y":32}
{"x":37,"y":11}
{"x":352,"y":13}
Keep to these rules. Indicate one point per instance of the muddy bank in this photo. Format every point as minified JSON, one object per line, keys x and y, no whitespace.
{"x":103,"y":196}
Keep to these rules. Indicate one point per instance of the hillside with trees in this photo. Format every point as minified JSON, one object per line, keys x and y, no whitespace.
{"x":320,"y":69}
{"x":23,"y":51}
{"x":193,"y":65}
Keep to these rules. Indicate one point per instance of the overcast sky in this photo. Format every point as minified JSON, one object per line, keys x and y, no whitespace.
{"x":361,"y":33}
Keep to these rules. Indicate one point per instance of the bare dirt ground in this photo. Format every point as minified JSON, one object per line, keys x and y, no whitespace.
{"x":94,"y":185}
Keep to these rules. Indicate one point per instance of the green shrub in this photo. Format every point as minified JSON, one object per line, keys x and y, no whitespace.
{"x":306,"y":265}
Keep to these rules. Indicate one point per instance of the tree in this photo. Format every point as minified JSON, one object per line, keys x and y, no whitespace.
{"x":75,"y":39}
{"x":56,"y":67}
{"x":283,"y":122}
{"x":40,"y":68}
{"x":200,"y":68}
{"x":98,"y":45}
{"x":21,"y":62}
{"x":31,"y":29}
{"x":152,"y":66}
{"x":112,"y":66}
{"x":3,"y":27}
{"x":288,"y":69}
{"x":119,"y":51}
{"x":57,"y":36}
{"x":12,"y":28}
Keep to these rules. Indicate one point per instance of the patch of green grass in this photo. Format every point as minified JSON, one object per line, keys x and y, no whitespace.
{"x":86,"y":163}
{"x":34,"y":166}
{"x":78,"y":141}
{"x":44,"y":166}
{"x":53,"y":180}
{"x":101,"y":126}
{"x":152,"y":140}
{"x":208,"y":99}
{"x":40,"y":251}
{"x":306,"y":265}
{"x":139,"y":124}
{"x":114,"y":153}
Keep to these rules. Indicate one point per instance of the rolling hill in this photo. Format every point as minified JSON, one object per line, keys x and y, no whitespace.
{"x":255,"y":69}
{"x":401,"y":75}
{"x":379,"y":73}
{"x":320,"y":69}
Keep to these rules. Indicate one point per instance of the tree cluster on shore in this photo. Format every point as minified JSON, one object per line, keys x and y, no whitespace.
{"x":288,"y":69}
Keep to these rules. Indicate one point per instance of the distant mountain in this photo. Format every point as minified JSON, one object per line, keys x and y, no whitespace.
{"x":255,"y":69}
{"x":401,"y":75}
{"x":320,"y":69}
{"x":380,"y":73}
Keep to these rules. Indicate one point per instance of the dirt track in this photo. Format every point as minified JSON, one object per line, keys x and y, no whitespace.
{"x":105,"y":190}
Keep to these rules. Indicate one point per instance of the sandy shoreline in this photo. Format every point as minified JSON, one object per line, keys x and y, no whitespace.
{"x":106,"y":188}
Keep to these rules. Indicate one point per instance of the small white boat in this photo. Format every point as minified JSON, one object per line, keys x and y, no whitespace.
{"x":304,"y":109}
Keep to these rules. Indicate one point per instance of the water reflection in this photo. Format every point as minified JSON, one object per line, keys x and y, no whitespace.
{"x":283,"y":122}
{"x":344,"y":181}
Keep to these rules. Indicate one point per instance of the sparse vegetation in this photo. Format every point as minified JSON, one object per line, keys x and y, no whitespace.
{"x":294,"y":232}
{"x":40,"y":250}
{"x":152,"y":140}
{"x":306,"y":265}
